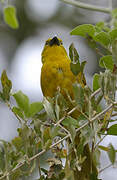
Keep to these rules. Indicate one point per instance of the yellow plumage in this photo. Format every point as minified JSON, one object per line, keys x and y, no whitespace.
{"x":56,"y":69}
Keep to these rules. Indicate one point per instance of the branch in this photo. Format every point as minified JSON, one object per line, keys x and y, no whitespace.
{"x":106,"y":167}
{"x":87,"y":6}
{"x":71,"y":111}
{"x":61,"y":140}
{"x":96,"y":92}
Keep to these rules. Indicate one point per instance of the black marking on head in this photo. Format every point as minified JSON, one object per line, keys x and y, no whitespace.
{"x":54,"y":41}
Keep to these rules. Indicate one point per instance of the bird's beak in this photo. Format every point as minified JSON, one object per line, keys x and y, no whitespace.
{"x":54,"y":41}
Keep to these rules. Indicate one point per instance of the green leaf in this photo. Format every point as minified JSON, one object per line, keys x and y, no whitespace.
{"x":113,"y":34}
{"x":78,"y":94}
{"x":104,"y":148}
{"x":82,"y":66}
{"x":96,"y":84}
{"x":68,"y":121}
{"x":73,"y":54}
{"x":75,"y":68}
{"x":100,"y":25}
{"x":72,"y":132}
{"x":46,"y":134}
{"x":18,"y":142}
{"x":107,"y":62}
{"x":35,"y":108}
{"x":55,"y":131}
{"x":6,"y":86}
{"x":22,"y":102}
{"x":111,"y":153}
{"x":103,"y":38}
{"x":112,"y":130}
{"x":10,"y":17}
{"x":18,"y":111}
{"x":49,"y":108}
{"x":83,"y":30}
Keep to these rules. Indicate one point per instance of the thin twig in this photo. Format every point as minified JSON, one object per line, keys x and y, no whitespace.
{"x":64,"y":129}
{"x":95,"y":93}
{"x":114,"y":114}
{"x":61,"y":140}
{"x":100,"y":171}
{"x":87,"y":6}
{"x":71,"y":111}
{"x":99,"y":141}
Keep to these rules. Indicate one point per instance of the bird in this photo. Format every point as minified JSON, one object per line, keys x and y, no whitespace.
{"x":56,"y":73}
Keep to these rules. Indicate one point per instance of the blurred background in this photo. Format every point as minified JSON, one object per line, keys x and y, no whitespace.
{"x":20,"y":51}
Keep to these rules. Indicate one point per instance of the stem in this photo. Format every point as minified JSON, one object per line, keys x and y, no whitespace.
{"x":87,"y":6}
{"x":65,"y":116}
{"x":106,"y":167}
{"x":99,"y":141}
{"x":96,"y":92}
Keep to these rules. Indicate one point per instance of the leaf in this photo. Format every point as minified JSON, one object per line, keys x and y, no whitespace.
{"x":18,"y":111}
{"x":35,"y":108}
{"x":10,"y":17}
{"x":107,"y":62}
{"x":22,"y":102}
{"x":78,"y":94}
{"x":18,"y":142}
{"x":103,"y":38}
{"x":111,"y":153}
{"x":55,"y":131}
{"x":112,"y":130}
{"x":104,"y":148}
{"x":83,"y":30}
{"x":96,"y":84}
{"x":100,"y":25}
{"x":6,"y":86}
{"x":72,"y":132}
{"x":75,"y":68}
{"x":46,"y":134}
{"x":113,"y":34}
{"x":68,"y":121}
{"x":73,"y":54}
{"x":49,"y":108}
{"x":82,"y":66}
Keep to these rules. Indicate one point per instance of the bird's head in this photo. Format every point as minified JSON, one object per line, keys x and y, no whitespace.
{"x":53,"y":47}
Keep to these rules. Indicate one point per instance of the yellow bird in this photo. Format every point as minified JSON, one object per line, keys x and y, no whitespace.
{"x":56,"y":73}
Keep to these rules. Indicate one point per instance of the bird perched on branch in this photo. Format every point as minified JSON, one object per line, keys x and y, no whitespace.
{"x":56,"y":73}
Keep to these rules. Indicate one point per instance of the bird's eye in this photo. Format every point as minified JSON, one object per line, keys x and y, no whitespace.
{"x":61,"y":43}
{"x":47,"y":43}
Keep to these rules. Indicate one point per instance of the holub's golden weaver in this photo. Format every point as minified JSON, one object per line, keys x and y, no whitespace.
{"x":56,"y":73}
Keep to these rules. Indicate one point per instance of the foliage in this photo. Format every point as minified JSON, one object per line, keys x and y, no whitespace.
{"x":9,"y":14}
{"x":48,"y":125}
